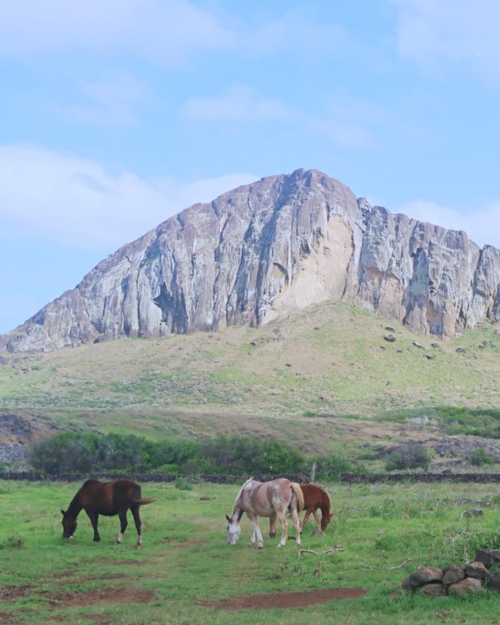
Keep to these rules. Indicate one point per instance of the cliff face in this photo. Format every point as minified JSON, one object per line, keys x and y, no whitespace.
{"x":262,"y":251}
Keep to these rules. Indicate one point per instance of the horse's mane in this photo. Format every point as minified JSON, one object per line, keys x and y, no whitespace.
{"x":250,"y":479}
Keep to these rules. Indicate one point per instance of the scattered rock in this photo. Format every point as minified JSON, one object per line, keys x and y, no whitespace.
{"x":390,"y":329}
{"x":472,"y":512}
{"x":436,"y":345}
{"x":390,"y":338}
{"x":429,"y":356}
{"x":417,"y":344}
{"x":460,"y":350}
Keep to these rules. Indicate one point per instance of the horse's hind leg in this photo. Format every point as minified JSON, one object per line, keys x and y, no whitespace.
{"x":296,"y":522}
{"x":272,"y":526}
{"x":123,"y":526}
{"x":137,"y":520}
{"x":284,"y":529}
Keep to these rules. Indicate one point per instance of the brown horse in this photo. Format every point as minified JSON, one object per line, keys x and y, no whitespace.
{"x":265,"y":499}
{"x":109,"y":499}
{"x":314,"y":498}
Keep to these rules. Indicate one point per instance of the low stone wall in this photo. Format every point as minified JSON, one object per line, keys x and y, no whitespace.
{"x":373,"y":478}
{"x":31,"y":476}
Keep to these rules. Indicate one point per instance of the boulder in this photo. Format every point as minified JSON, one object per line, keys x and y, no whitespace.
{"x":494,"y":581}
{"x":489,"y":557}
{"x":435,"y":589}
{"x":467,"y":586}
{"x":425,"y":575}
{"x":452,"y":574}
{"x":477,"y":570}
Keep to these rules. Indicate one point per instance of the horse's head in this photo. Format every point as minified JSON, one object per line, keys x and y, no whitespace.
{"x":233,"y":529}
{"x":69,"y":524}
{"x":325,"y":519}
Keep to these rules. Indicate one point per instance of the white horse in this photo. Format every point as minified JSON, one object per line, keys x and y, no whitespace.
{"x":266,"y":499}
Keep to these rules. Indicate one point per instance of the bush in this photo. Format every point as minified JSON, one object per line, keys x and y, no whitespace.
{"x":410,"y":455}
{"x":183,"y":484}
{"x":480,"y":457}
{"x":242,"y":455}
{"x":329,"y":468}
{"x":89,"y":452}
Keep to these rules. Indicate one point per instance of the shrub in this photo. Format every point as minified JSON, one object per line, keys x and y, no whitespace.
{"x":90,"y":452}
{"x":479,"y":457}
{"x":329,"y":468}
{"x":411,"y":455}
{"x":183,"y":484}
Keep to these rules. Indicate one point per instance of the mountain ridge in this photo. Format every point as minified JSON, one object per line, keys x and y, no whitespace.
{"x":263,"y":250}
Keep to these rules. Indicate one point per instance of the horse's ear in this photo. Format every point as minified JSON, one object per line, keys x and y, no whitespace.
{"x":228,"y":519}
{"x":62,"y":512}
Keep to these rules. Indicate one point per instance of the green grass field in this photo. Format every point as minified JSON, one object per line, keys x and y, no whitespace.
{"x":185,"y":560}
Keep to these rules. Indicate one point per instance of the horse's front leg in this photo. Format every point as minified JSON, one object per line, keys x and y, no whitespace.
{"x":284,"y":529}
{"x":123,"y":526}
{"x":94,"y":519}
{"x":306,"y":517}
{"x":318,"y":522}
{"x":137,"y":520}
{"x":272,"y":526}
{"x":256,"y":533}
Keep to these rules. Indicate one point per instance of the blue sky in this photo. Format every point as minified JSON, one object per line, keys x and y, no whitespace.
{"x":116,"y":114}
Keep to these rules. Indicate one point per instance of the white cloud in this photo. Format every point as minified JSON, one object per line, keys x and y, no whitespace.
{"x":238,"y":103}
{"x":481,"y":224}
{"x":297,"y":31}
{"x":165,"y":30}
{"x":79,"y":203}
{"x":169,"y":31}
{"x":344,"y":123}
{"x":111,"y":101}
{"x":454,"y":30}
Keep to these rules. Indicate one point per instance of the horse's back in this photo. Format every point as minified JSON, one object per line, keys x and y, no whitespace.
{"x":315,"y":496}
{"x":109,"y":497}
{"x":266,"y":498}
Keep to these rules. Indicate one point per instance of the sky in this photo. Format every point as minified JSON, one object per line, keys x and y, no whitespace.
{"x":116,"y":114}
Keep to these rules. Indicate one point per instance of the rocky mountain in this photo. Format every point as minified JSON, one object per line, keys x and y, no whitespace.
{"x":260,"y":252}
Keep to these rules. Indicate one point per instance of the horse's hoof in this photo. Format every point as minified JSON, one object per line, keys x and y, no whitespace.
{"x":137,"y":547}
{"x":261,"y":546}
{"x":272,"y":534}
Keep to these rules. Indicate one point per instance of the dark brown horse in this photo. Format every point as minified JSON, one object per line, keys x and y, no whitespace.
{"x":109,"y":499}
{"x":315,"y":498}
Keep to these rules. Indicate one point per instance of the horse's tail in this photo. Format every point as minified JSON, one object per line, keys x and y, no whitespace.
{"x":299,"y":495}
{"x":144,"y":502}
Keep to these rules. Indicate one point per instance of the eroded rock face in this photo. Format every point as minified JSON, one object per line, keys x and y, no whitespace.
{"x":262,"y":250}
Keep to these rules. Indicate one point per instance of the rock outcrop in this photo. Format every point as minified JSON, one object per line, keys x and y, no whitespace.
{"x":260,"y":251}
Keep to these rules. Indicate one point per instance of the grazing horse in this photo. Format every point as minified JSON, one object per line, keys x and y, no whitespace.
{"x":109,"y":499}
{"x":266,"y":499}
{"x":314,"y":498}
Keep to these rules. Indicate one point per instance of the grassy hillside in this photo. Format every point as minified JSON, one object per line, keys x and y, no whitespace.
{"x":328,"y":371}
